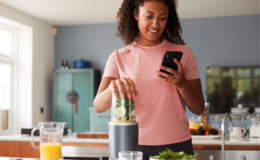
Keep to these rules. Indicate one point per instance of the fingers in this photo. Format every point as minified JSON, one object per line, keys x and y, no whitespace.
{"x":177,"y":76}
{"x":132,"y":88}
{"x":164,"y":75}
{"x":128,"y":87}
{"x":170,"y":70}
{"x":163,"y":78}
{"x":120,"y":86}
{"x":125,"y":85}
{"x":114,"y":88}
{"x":180,"y":69}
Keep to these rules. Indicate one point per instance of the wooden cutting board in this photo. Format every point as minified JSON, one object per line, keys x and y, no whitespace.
{"x":100,"y":135}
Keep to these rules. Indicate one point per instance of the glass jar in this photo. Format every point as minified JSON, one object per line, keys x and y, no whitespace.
{"x":204,"y":117}
{"x":122,"y":109}
{"x":240,"y":117}
{"x":255,"y":123}
{"x":216,"y":120}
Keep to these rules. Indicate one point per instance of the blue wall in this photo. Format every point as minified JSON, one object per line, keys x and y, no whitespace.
{"x":220,"y":41}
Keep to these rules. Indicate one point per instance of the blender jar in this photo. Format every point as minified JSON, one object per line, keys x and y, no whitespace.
{"x":122,"y":109}
{"x":240,"y":117}
{"x":255,"y":124}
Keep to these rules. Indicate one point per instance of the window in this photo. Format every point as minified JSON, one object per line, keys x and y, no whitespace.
{"x":229,"y":86}
{"x":8,"y":60}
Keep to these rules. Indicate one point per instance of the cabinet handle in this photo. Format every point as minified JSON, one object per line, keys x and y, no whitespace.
{"x":75,"y":105}
{"x":211,"y":157}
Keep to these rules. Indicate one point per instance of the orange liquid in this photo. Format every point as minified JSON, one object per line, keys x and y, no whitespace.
{"x":50,"y":151}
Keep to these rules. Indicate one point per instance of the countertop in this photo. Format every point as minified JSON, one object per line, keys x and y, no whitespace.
{"x":72,"y":138}
{"x":195,"y":141}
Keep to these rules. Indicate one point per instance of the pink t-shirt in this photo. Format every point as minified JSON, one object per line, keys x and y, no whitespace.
{"x":160,"y":109}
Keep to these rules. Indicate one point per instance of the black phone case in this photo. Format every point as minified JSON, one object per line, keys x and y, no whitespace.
{"x":168,"y":60}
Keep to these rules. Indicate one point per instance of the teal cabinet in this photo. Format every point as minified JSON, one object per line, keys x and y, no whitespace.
{"x":74,"y":87}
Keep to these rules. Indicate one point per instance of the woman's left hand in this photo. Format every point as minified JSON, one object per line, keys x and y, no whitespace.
{"x":178,"y":79}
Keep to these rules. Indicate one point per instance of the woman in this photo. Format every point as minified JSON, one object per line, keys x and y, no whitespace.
{"x":149,"y":28}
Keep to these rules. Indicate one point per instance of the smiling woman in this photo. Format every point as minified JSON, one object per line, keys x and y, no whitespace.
{"x":163,"y":17}
{"x":149,"y":28}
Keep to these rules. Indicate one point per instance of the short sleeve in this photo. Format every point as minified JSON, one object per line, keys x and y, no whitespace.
{"x":190,"y":67}
{"x":111,"y":69}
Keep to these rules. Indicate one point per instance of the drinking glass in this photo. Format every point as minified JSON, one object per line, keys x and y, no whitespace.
{"x":130,"y":155}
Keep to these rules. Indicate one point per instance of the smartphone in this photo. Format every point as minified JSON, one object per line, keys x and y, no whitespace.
{"x":168,"y":60}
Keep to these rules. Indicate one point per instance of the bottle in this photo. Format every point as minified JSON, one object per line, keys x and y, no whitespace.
{"x":62,"y":65}
{"x":67,"y":65}
{"x":204,"y":117}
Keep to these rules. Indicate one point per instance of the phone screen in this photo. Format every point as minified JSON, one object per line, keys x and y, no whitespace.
{"x":168,"y":60}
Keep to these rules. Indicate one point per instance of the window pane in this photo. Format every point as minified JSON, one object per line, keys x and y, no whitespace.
{"x":213,"y":72}
{"x":243,"y":72}
{"x":213,"y":85}
{"x":7,"y":42}
{"x":5,"y":72}
{"x":257,"y":72}
{"x":5,"y":86}
{"x":4,"y":119}
{"x":1,"y":42}
{"x":243,"y":85}
{"x":5,"y":97}
{"x":227,"y":72}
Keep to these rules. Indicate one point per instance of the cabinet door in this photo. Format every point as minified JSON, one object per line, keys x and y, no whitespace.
{"x":83,"y":85}
{"x":62,"y":108}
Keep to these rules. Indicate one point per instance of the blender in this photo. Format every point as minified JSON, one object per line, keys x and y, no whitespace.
{"x":123,"y":128}
{"x":51,"y":134}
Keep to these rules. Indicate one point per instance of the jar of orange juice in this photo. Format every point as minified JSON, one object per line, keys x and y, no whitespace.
{"x":122,"y":109}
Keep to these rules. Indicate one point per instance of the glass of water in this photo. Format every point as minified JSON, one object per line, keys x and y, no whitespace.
{"x":130,"y":155}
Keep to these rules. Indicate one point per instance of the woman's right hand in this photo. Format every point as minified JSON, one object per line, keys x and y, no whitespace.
{"x":123,"y":84}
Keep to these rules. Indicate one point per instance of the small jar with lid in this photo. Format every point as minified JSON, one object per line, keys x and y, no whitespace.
{"x":255,"y":124}
{"x":240,"y":117}
{"x":122,"y":109}
{"x":216,"y":120}
{"x":204,"y":117}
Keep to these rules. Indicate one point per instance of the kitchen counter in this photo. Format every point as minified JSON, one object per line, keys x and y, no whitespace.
{"x":21,"y":145}
{"x":66,"y":139}
{"x":195,"y":141}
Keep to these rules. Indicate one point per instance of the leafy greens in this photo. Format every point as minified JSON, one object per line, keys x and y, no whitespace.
{"x":170,"y":155}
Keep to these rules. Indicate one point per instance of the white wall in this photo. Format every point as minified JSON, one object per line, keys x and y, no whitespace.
{"x":42,"y":65}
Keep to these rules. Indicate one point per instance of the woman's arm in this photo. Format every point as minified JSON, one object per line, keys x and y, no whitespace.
{"x":193,"y":96}
{"x":102,"y":101}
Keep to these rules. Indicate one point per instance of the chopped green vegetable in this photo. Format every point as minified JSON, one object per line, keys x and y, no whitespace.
{"x":129,"y":106}
{"x":170,"y":155}
{"x":121,"y":111}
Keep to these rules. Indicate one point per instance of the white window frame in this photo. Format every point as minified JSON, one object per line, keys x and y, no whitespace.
{"x":12,"y":60}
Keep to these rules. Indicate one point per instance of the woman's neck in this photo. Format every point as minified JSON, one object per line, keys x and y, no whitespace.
{"x":144,"y":42}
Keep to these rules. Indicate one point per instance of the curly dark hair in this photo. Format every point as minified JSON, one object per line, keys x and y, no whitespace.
{"x":127,"y":27}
